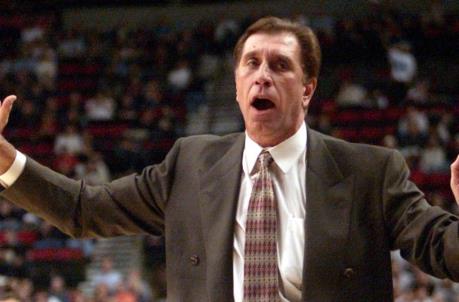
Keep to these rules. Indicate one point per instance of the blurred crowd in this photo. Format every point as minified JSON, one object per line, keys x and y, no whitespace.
{"x":122,"y":96}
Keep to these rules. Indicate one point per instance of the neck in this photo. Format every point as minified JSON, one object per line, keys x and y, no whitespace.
{"x":266,"y":140}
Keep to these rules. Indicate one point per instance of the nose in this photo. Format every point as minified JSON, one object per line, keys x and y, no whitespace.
{"x":264,"y":76}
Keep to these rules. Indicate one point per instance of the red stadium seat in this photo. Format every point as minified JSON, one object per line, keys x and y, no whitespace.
{"x":53,"y":254}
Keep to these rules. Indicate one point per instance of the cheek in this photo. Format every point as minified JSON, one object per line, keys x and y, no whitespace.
{"x":240,"y":88}
{"x":293,"y":95}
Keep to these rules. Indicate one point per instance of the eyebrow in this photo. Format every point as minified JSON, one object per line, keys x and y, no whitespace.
{"x":278,"y":56}
{"x":249,"y":54}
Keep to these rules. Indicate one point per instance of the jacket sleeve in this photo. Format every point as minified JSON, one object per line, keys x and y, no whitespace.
{"x":428,"y":237}
{"x":129,"y":205}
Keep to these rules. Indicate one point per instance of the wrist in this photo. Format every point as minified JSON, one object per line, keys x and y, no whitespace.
{"x":7,"y":155}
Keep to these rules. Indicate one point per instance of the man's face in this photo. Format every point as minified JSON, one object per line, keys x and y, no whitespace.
{"x":271,"y":89}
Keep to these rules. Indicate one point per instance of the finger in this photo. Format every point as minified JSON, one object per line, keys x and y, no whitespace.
{"x":5,"y":110}
{"x":455,"y":165}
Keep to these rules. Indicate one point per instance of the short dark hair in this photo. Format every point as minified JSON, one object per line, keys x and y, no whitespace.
{"x":310,"y":48}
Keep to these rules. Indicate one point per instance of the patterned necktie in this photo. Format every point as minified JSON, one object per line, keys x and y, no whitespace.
{"x":260,"y":256}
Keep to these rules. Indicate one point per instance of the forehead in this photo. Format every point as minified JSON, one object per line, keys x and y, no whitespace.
{"x":283,"y":43}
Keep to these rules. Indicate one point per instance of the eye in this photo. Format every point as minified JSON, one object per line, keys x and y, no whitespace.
{"x":282,"y":65}
{"x":252,"y":62}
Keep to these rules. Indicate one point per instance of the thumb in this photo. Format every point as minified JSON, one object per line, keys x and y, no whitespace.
{"x":5,"y":110}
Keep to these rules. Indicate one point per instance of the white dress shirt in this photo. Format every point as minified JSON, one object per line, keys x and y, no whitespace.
{"x":289,"y":180}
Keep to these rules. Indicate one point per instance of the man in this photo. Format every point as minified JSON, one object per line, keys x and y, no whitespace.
{"x":107,"y":275}
{"x":278,"y":213}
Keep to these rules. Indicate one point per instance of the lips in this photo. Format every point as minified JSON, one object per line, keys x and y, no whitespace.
{"x":262,"y":103}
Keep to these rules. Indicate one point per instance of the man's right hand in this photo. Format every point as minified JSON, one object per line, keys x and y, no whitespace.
{"x":7,"y":151}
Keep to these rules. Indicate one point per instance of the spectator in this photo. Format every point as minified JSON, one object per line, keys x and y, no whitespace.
{"x":415,"y":118}
{"x":124,"y":294}
{"x":165,"y":127}
{"x":440,"y":125}
{"x":152,"y":95}
{"x":137,"y":285}
{"x":10,"y":216}
{"x":107,"y":275}
{"x":102,"y":294}
{"x":390,"y":141}
{"x":433,"y":157}
{"x":73,"y":45}
{"x":46,"y":68}
{"x":70,"y":141}
{"x":412,"y":141}
{"x":49,"y":236}
{"x":32,"y":33}
{"x":402,"y":62}
{"x":208,"y":66}
{"x":146,"y":124}
{"x":127,"y":111}
{"x":101,"y":107}
{"x":128,"y":155}
{"x":57,"y":289}
{"x":351,"y":94}
{"x":226,"y":32}
{"x":24,"y":289}
{"x":324,"y":123}
{"x":377,"y":99}
{"x":47,"y":128}
{"x":419,"y":93}
{"x":78,"y":296}
{"x":180,"y":77}
{"x":93,"y":170}
{"x":403,"y":69}
{"x":65,"y":163}
{"x":29,"y":114}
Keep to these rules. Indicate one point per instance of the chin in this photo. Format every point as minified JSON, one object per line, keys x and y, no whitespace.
{"x":264,"y":135}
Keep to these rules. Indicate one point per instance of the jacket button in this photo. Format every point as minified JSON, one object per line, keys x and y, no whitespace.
{"x":349,"y":273}
{"x":194,"y":259}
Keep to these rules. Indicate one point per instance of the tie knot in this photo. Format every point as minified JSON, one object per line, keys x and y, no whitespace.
{"x":264,"y":159}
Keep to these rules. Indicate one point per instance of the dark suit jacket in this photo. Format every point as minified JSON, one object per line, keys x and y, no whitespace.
{"x":360,"y":205}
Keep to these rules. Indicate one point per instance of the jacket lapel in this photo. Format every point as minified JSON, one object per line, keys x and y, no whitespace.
{"x":219,"y":189}
{"x":328,"y":207}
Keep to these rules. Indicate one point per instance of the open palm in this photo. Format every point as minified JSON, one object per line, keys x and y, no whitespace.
{"x":7,"y":151}
{"x":5,"y":110}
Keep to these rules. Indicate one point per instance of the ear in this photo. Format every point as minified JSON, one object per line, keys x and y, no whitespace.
{"x":235,"y":84}
{"x":308,"y":91}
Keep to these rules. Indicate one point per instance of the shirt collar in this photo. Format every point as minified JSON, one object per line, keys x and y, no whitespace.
{"x":284,"y":154}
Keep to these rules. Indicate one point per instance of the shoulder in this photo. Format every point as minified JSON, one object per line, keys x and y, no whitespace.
{"x":209,"y":140}
{"x":209,"y":143}
{"x":357,"y":156}
{"x":340,"y":145}
{"x":209,"y":148}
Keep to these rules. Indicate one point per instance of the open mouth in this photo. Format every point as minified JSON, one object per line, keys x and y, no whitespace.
{"x":262,"y":104}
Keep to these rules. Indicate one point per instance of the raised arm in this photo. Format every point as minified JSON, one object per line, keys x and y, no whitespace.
{"x":129,"y":205}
